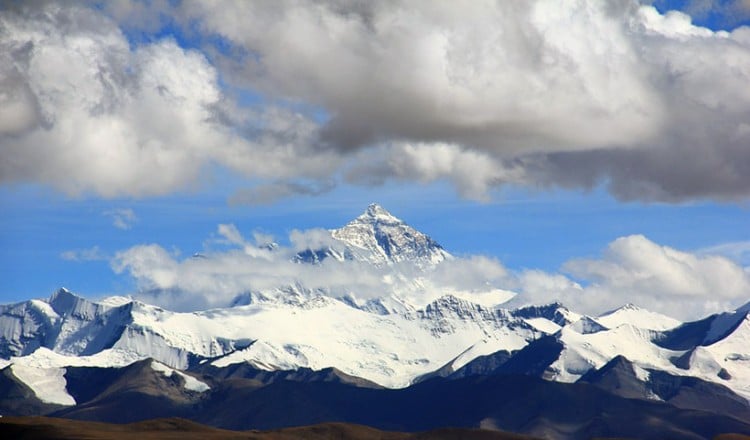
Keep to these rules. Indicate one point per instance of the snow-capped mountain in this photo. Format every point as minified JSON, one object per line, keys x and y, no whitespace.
{"x":404,"y":257}
{"x":632,"y":314}
{"x":714,"y":349}
{"x":378,"y":237}
{"x":44,"y":336}
{"x":392,"y":340}
{"x":322,"y":332}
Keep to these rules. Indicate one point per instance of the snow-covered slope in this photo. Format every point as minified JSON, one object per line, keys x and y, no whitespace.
{"x":378,"y":237}
{"x":412,"y":330}
{"x":391,"y":350}
{"x":587,"y":344}
{"x":66,"y":323}
{"x":633,"y":315}
{"x":48,"y":384}
{"x":584,"y":350}
{"x":727,"y":358}
{"x":322,"y":332}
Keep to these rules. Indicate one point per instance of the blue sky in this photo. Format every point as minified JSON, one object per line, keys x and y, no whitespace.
{"x":170,"y":119}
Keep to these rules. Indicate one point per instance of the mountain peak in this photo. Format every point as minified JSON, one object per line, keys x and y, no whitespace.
{"x":63,"y":297}
{"x":642,"y":318}
{"x":379,"y":237}
{"x":377,"y":213}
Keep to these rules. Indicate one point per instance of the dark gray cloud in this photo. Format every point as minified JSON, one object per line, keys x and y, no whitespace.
{"x":268,"y":193}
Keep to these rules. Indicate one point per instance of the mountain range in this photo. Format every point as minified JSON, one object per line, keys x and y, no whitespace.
{"x":298,"y":355}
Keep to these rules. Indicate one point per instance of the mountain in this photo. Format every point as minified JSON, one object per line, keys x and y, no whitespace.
{"x":378,"y":237}
{"x":634,"y":315}
{"x":325,"y":339}
{"x":513,"y":403}
{"x":72,"y":356}
{"x":390,"y":350}
{"x":246,"y":370}
{"x":65,"y":323}
{"x":714,"y":350}
{"x":623,"y":378}
{"x":20,"y":399}
{"x":404,"y":258}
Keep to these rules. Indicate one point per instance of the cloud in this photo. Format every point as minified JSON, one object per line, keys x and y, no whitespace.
{"x":215,"y":281}
{"x":312,"y":239}
{"x":122,"y":218}
{"x":89,"y":254}
{"x":631,"y":269}
{"x":87,"y":113}
{"x":231,"y":234}
{"x":221,"y":275}
{"x":634,"y":265}
{"x":150,"y":264}
{"x":634,"y":269}
{"x":266,"y":194}
{"x":737,"y":251}
{"x":473,"y":173}
{"x":541,"y":93}
{"x":570,"y":94}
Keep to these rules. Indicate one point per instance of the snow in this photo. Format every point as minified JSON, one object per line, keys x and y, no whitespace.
{"x":46,"y":358}
{"x":732,"y":354}
{"x":543,"y":325}
{"x":115,"y":301}
{"x":723,"y":323}
{"x":413,"y":329}
{"x":379,"y":238}
{"x":633,"y":315}
{"x":191,"y":383}
{"x":44,"y":308}
{"x":388,"y":349}
{"x":584,"y":351}
{"x":641,"y":373}
{"x":490,"y":297}
{"x":48,"y":384}
{"x":508,"y":342}
{"x":587,"y":325}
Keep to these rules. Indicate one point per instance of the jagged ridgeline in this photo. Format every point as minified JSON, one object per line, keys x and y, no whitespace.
{"x":74,"y":357}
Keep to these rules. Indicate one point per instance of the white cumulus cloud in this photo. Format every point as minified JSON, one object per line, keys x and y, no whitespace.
{"x":631,"y":269}
{"x":86,"y":112}
{"x":634,"y":269}
{"x":543,"y":93}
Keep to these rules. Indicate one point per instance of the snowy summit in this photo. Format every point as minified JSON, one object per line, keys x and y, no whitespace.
{"x":379,"y":237}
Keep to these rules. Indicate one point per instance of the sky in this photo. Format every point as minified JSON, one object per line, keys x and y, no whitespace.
{"x":592,"y":152}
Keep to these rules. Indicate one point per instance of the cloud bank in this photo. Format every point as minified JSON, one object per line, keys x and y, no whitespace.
{"x":217,"y":276}
{"x":541,"y":93}
{"x":632,"y":269}
{"x":85,"y":112}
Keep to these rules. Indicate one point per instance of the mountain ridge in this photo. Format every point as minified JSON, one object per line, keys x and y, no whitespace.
{"x":296,"y":334}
